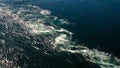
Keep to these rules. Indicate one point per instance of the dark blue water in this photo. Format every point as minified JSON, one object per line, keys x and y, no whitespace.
{"x":96,"y":22}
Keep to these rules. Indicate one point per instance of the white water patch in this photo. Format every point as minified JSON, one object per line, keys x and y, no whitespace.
{"x":37,"y":28}
{"x":2,"y":4}
{"x":63,"y":30}
{"x":105,"y":60}
{"x":34,"y":20}
{"x":62,"y":39}
{"x":45,"y":12}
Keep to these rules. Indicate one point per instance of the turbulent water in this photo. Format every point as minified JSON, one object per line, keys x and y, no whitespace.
{"x":30,"y":37}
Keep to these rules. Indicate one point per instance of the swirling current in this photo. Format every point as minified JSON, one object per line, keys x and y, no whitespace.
{"x":30,"y":37}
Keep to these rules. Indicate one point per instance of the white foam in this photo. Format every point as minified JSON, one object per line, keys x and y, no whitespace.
{"x":45,"y":12}
{"x":63,"y":21}
{"x":2,"y":4}
{"x":2,"y":42}
{"x":62,"y":39}
{"x":95,"y":56}
{"x":63,"y":30}
{"x":35,"y":47}
{"x":55,"y":18}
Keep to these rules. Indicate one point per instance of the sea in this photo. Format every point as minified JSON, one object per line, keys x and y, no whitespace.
{"x":60,"y":33}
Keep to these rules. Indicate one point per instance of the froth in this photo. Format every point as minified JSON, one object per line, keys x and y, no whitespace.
{"x":45,"y":12}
